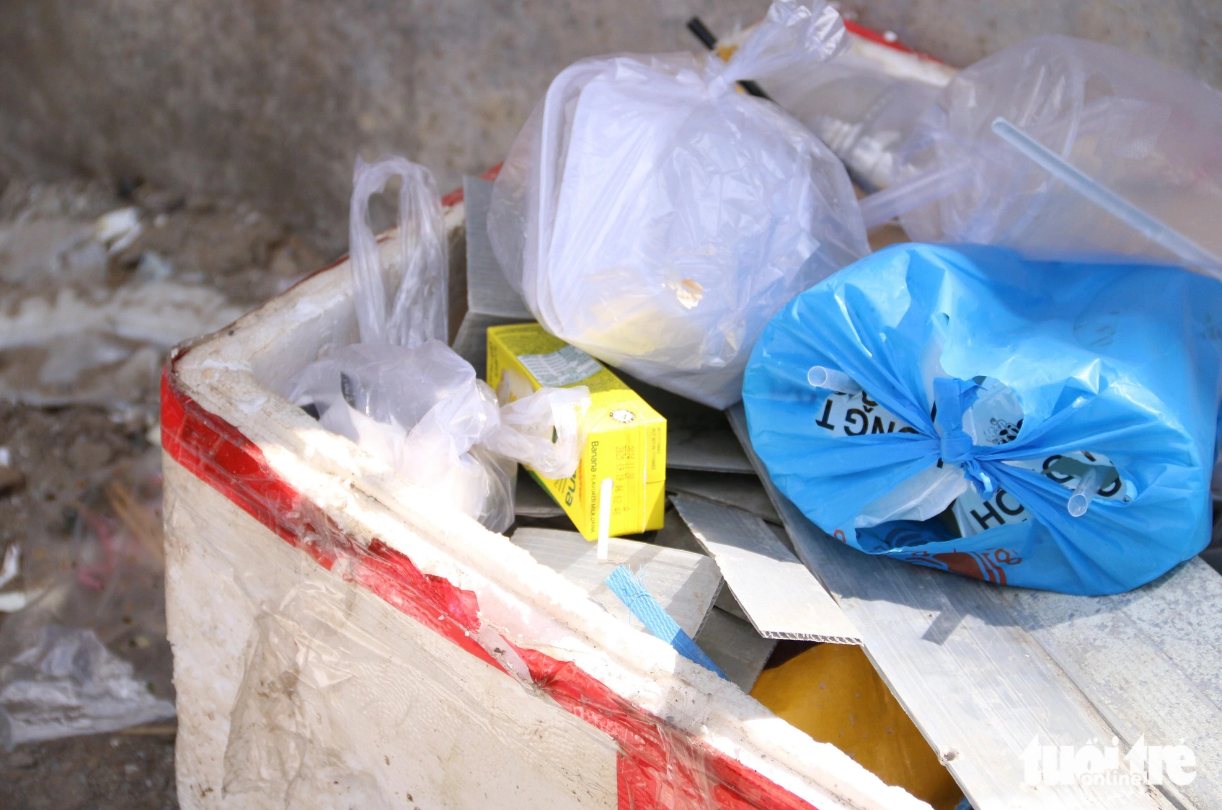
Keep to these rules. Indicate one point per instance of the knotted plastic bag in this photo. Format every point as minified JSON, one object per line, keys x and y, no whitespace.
{"x":1143,"y":131}
{"x":656,"y":217}
{"x":1097,"y":478}
{"x":408,"y":399}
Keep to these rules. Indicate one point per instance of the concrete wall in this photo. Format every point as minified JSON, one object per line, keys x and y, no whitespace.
{"x":270,"y":100}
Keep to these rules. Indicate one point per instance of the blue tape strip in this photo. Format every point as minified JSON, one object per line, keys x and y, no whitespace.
{"x":657,"y":621}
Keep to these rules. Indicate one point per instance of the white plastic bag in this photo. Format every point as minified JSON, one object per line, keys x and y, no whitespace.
{"x":657,"y":218}
{"x":1147,"y":133}
{"x":406,"y":397}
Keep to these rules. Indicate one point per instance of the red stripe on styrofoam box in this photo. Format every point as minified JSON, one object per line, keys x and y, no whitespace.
{"x":659,"y":766}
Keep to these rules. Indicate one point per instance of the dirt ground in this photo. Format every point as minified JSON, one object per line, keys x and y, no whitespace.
{"x":103,"y":771}
{"x":63,"y":460}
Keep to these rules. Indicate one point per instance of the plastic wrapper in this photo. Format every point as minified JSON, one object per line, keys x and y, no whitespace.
{"x":1138,"y":128}
{"x":402,"y":394}
{"x":86,"y":651}
{"x":423,"y":412}
{"x":655,"y":217}
{"x":403,"y":303}
{"x":1073,"y":408}
{"x":543,"y":430}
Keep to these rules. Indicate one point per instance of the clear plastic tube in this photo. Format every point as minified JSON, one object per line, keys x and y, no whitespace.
{"x":1085,"y":491}
{"x":886,"y":205}
{"x":1153,"y":229}
{"x":832,"y":380}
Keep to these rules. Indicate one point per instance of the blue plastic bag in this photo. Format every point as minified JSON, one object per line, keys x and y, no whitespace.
{"x":1121,"y":361}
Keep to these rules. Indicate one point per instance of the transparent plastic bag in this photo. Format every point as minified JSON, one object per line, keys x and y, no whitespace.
{"x":1147,"y":133}
{"x":655,"y":217}
{"x":402,"y":394}
{"x":862,"y":112}
{"x":543,"y":430}
{"x":423,"y":412}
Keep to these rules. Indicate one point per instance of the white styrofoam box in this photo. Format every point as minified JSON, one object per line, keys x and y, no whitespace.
{"x":343,"y":640}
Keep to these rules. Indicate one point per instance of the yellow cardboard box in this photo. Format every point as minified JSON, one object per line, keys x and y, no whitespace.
{"x":626,"y":438}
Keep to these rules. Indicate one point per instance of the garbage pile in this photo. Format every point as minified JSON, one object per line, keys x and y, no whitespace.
{"x":95,"y":288}
{"x":1045,"y":399}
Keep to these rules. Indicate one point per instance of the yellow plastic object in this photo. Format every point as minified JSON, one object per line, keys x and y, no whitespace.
{"x":832,"y":692}
{"x":626,"y":438}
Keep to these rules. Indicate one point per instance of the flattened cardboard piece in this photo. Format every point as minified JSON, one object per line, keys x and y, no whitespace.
{"x":675,"y":534}
{"x":488,"y":291}
{"x":743,"y":492}
{"x":684,"y":584}
{"x":490,"y":299}
{"x":781,"y":598}
{"x":531,"y":501}
{"x":735,"y":647}
{"x":708,"y":450}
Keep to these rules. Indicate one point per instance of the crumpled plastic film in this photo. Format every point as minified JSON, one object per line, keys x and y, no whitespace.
{"x":1143,"y":130}
{"x":862,"y":112}
{"x":655,"y":217}
{"x":313,"y":642}
{"x":543,"y":430}
{"x":87,"y":653}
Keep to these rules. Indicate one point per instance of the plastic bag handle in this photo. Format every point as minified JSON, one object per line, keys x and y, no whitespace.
{"x":415,"y":312}
{"x":794,"y":36}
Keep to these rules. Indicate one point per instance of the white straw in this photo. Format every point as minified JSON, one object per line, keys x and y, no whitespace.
{"x":1085,"y":491}
{"x":604,"y":518}
{"x":832,"y":380}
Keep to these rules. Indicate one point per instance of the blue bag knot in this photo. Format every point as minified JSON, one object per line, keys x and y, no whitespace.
{"x":957,"y":446}
{"x":951,"y":399}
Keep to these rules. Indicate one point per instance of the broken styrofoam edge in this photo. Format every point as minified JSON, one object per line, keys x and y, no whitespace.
{"x":13,"y":601}
{"x":160,"y":313}
{"x":11,"y":566}
{"x":118,"y":229}
{"x":99,"y":346}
